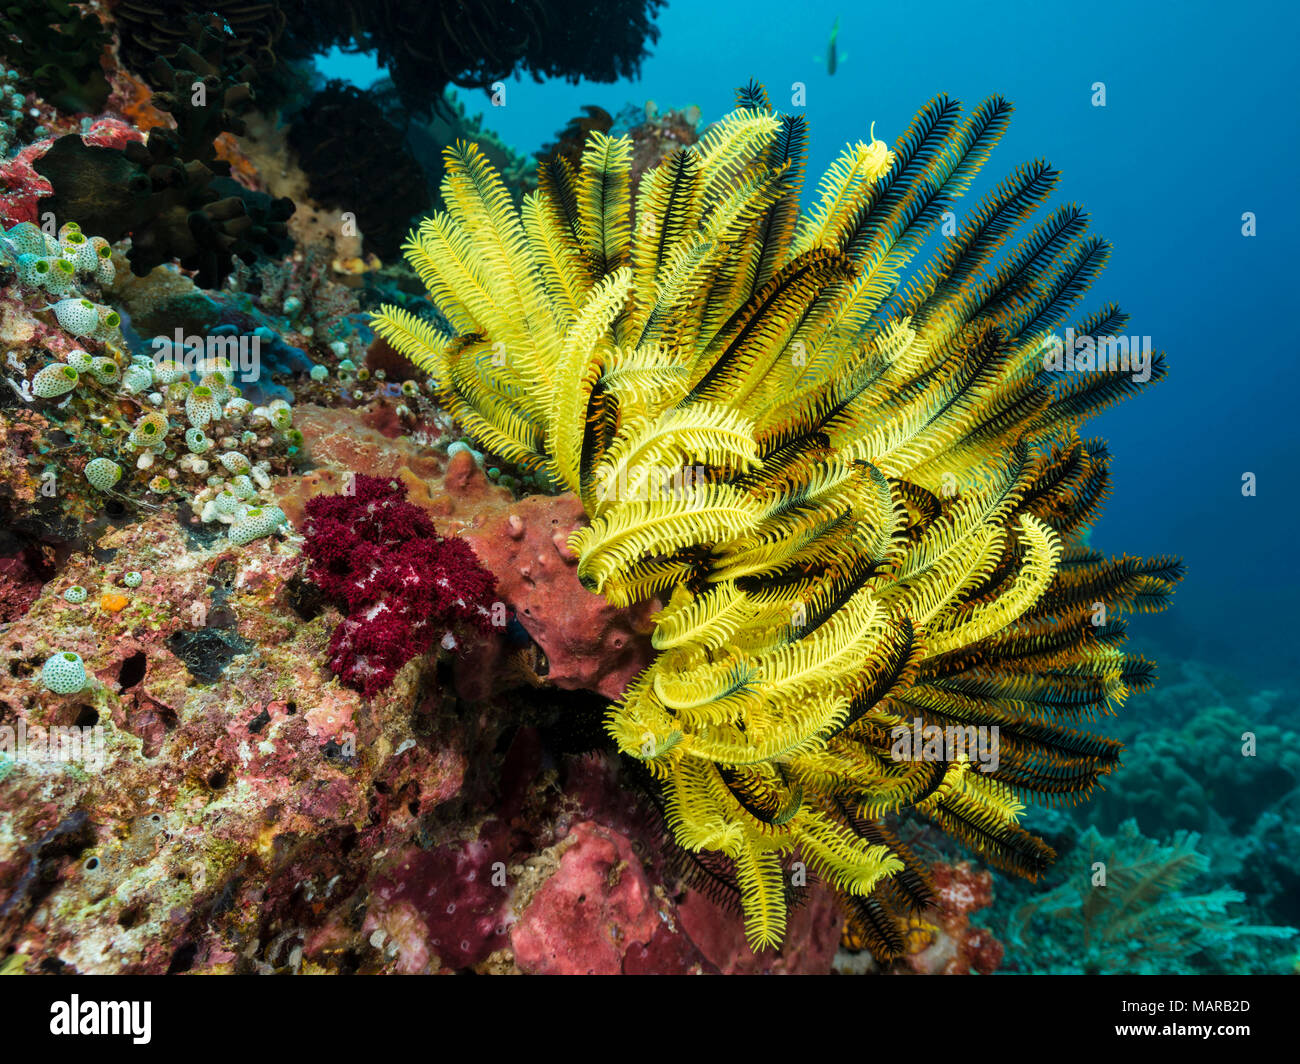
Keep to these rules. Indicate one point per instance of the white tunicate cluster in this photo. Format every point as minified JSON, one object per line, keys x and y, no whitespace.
{"x":236,"y":501}
{"x":55,"y":263}
{"x":137,"y":379}
{"x":202,"y":406}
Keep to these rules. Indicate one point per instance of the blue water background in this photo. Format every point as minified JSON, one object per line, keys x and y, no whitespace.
{"x":1199,"y":127}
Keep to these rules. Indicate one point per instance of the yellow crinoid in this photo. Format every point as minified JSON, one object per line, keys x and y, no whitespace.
{"x":853,"y":484}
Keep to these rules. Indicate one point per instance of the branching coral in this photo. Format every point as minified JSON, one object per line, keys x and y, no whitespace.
{"x":1137,"y":919}
{"x":858,"y":490}
{"x":172,"y":194}
{"x":403,"y":585}
{"x":57,"y":46}
{"x":254,"y":30}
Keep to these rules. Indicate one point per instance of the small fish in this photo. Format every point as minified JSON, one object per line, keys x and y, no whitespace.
{"x":833,"y":58}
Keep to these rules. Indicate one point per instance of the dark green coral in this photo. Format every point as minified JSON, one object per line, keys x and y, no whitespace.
{"x":171,"y":194}
{"x":57,"y":47}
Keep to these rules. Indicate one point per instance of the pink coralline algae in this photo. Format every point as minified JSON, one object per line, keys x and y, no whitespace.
{"x":402,"y":584}
{"x":599,"y":915}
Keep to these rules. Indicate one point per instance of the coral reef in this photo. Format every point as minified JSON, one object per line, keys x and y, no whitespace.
{"x":308,"y":828}
{"x":1126,"y":907}
{"x":943,"y":940}
{"x":561,"y":617}
{"x":588,"y":643}
{"x":310,"y":307}
{"x":22,"y":186}
{"x":118,"y":430}
{"x":1218,"y":760}
{"x":656,"y":134}
{"x":570,"y":141}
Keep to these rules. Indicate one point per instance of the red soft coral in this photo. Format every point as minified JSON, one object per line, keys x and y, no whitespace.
{"x":402,"y":584}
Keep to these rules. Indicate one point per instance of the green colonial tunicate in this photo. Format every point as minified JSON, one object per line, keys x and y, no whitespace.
{"x":281,"y":414}
{"x":79,"y":360}
{"x":32,"y":270}
{"x":26,"y":239}
{"x":319,"y":373}
{"x":149,"y":431}
{"x":54,"y":380}
{"x":109,"y":322}
{"x":219,"y":384}
{"x":137,"y":379}
{"x":76,"y":594}
{"x":243,"y":488}
{"x":201,"y":406}
{"x":78,"y":316}
{"x":61,"y":277}
{"x":258,"y":522}
{"x":64,"y":673}
{"x":82,"y":253}
{"x":197,"y":441}
{"x":103,"y":473}
{"x":167,"y":371}
{"x":106,"y":370}
{"x":235,"y":462}
{"x":132,"y":579}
